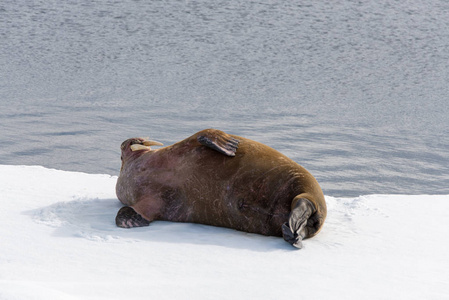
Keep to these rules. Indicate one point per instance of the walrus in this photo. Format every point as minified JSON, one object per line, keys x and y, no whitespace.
{"x":219,"y":179}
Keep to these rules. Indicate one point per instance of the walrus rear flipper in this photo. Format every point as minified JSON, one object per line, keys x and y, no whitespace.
{"x":295,"y":230}
{"x":218,"y":141}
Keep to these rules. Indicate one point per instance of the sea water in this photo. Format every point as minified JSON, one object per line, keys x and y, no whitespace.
{"x":355,"y":91}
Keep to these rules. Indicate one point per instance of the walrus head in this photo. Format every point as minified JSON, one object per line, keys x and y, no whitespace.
{"x":136,"y":145}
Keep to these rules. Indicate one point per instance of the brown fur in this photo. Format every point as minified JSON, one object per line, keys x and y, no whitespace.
{"x":189,"y":182}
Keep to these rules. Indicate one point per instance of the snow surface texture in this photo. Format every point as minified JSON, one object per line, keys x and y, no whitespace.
{"x":59,"y":241}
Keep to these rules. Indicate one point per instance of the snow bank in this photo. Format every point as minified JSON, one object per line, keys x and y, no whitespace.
{"x":59,"y":241}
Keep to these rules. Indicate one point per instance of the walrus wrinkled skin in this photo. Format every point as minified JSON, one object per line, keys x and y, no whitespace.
{"x":219,"y":179}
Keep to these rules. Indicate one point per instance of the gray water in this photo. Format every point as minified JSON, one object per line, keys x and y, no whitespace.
{"x":355,"y":91}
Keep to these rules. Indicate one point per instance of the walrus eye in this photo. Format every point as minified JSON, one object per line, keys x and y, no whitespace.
{"x":121,"y":157}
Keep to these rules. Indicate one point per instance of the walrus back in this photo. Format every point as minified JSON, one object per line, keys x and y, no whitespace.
{"x":251,"y":191}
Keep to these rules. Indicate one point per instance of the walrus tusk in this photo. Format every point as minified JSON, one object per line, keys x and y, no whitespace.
{"x":152,"y":143}
{"x":136,"y":147}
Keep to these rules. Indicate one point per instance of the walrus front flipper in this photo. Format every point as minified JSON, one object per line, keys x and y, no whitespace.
{"x":218,"y":141}
{"x":128,"y":218}
{"x":295,"y":230}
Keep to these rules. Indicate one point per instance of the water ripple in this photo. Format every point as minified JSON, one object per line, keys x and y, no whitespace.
{"x":354,"y":91}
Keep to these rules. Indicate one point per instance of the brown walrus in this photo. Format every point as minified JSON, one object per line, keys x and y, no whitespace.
{"x":219,"y":179}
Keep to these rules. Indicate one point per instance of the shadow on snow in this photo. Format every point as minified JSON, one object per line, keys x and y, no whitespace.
{"x":94,"y":219}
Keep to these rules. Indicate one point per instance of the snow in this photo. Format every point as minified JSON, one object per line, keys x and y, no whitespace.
{"x":59,"y":241}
